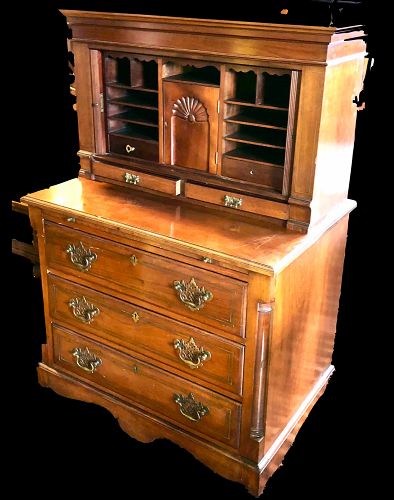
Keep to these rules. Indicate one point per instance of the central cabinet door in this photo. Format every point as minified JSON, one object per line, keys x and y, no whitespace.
{"x":191,"y":125}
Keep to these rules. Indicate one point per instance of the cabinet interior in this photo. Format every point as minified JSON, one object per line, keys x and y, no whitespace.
{"x":252,"y":146}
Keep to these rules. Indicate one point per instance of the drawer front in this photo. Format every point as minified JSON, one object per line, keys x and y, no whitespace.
{"x":194,"y":408}
{"x":198,"y":354}
{"x":237,"y":202}
{"x":264,"y":175}
{"x":138,"y":179}
{"x":134,"y":148}
{"x":205,"y":298}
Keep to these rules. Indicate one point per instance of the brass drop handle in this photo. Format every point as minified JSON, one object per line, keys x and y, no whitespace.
{"x":83,"y":310}
{"x":131,"y":178}
{"x":81,"y":257}
{"x":129,"y":149}
{"x":232,"y":201}
{"x":85,"y":359}
{"x":190,"y":408}
{"x":192,"y":355}
{"x":193,"y":296}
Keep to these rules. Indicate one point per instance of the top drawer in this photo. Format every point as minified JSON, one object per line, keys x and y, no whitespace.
{"x":204,"y":297}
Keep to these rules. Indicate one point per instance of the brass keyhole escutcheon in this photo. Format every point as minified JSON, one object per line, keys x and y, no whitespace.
{"x":135,"y":317}
{"x":129,"y":149}
{"x":134,"y":260}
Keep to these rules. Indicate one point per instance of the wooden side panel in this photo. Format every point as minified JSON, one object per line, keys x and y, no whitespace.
{"x":336,"y":138}
{"x":307,"y":133}
{"x":83,"y":82}
{"x":304,"y":322}
{"x":98,"y":104}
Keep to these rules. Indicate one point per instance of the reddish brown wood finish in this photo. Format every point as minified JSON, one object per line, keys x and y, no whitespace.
{"x":277,"y":288}
{"x":248,"y":204}
{"x":145,"y":181}
{"x":326,"y":67}
{"x":149,"y":387}
{"x":191,"y":133}
{"x":255,"y":302}
{"x":149,"y":277}
{"x":139,"y":330}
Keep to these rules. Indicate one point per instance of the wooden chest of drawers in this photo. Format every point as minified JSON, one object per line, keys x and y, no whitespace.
{"x":220,"y":342}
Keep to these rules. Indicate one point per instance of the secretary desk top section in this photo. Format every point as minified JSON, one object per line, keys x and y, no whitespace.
{"x":262,"y":247}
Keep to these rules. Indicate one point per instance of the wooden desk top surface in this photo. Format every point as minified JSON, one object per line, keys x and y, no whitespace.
{"x":262,"y":247}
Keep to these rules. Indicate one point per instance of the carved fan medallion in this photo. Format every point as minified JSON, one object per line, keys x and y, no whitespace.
{"x":191,"y":109}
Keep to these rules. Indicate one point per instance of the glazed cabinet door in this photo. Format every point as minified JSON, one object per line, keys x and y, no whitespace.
{"x":191,"y":125}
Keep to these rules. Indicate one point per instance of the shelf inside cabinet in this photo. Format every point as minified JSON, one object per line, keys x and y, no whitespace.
{"x":138,"y":100}
{"x":260,"y":118}
{"x":129,"y":87}
{"x":259,"y":137}
{"x":244,"y":102}
{"x":207,"y":75}
{"x":142,"y":133}
{"x":258,"y":154}
{"x":137,"y":116}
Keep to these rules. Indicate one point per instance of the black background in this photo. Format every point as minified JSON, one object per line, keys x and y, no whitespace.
{"x":68,"y":446}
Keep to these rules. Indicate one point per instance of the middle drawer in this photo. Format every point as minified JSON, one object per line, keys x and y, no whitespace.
{"x":196,"y":353}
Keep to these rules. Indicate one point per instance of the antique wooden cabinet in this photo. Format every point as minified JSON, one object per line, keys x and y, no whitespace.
{"x":193,"y":291}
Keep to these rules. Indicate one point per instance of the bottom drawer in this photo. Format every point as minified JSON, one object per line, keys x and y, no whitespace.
{"x":237,"y":201}
{"x":201,"y":411}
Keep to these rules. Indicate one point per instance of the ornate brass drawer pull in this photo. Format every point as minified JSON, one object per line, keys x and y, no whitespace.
{"x":83,"y":310}
{"x":190,"y":408}
{"x":80,"y":256}
{"x":131,"y":178}
{"x":232,"y":201}
{"x":86,"y":360}
{"x":190,"y":353}
{"x":129,"y":149}
{"x":193,"y":296}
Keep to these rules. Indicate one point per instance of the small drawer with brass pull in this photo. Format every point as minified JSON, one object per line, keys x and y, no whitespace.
{"x":164,"y":184}
{"x":196,"y":409}
{"x":205,"y":298}
{"x":201,"y":356}
{"x":238,"y":202}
